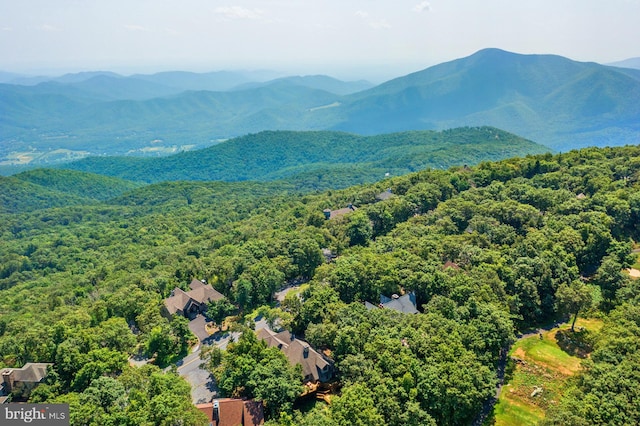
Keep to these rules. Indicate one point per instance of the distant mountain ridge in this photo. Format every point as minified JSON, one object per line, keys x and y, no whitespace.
{"x":320,"y":82}
{"x":633,"y":63}
{"x":550,"y":99}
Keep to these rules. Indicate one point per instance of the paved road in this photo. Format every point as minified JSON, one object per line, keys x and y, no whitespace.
{"x":203,"y":386}
{"x":222,"y":340}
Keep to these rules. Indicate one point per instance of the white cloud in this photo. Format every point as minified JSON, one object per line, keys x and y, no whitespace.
{"x":49,"y":28}
{"x":380,"y":24}
{"x":131,"y":27}
{"x":238,"y":12}
{"x":422,"y":7}
{"x":7,"y":29}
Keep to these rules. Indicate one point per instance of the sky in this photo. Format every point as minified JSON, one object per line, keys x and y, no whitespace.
{"x":349,"y":39}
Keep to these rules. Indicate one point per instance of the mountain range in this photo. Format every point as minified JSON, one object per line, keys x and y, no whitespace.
{"x":550,"y":99}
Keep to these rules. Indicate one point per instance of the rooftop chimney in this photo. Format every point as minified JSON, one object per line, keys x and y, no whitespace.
{"x":7,"y":379}
{"x":216,"y":411}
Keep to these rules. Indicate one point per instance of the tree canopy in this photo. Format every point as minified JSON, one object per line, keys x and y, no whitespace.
{"x":487,"y":250}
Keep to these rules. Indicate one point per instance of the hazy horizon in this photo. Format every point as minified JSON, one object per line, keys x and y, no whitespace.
{"x":368,"y":39}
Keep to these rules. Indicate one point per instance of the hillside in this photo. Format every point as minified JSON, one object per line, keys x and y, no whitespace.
{"x":298,"y":156}
{"x":18,"y":196}
{"x":69,"y":118}
{"x":87,"y":185}
{"x":489,"y":252}
{"x":45,"y":188}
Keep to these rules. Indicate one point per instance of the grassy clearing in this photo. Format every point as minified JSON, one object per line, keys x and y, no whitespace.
{"x":636,"y":247}
{"x":511,"y":411}
{"x":541,"y":363}
{"x":637,"y":264}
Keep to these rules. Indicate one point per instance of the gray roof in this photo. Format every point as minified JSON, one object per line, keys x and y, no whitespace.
{"x":405,"y":304}
{"x":385,"y":195}
{"x":370,"y":305}
{"x":340,"y":212}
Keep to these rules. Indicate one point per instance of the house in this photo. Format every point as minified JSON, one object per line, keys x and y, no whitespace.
{"x":190,"y":303}
{"x":406,"y":304}
{"x":450,"y":265}
{"x":21,"y":381}
{"x":383,"y":196}
{"x":332,"y":214}
{"x":233,"y":412}
{"x":315,"y":366}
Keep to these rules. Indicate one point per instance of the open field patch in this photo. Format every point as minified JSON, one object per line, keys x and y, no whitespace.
{"x":538,"y":372}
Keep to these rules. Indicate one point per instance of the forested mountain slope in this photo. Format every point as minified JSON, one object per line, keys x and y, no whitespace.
{"x":517,"y":237}
{"x":305,"y":157}
{"x":88,"y":185}
{"x":18,"y":196}
{"x":44,"y":188}
{"x":549,"y":99}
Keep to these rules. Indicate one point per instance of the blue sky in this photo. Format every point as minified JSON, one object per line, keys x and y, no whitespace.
{"x":372,"y":39}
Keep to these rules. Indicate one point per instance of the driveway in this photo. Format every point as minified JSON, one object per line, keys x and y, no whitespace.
{"x":203,"y":385}
{"x":197,"y":327}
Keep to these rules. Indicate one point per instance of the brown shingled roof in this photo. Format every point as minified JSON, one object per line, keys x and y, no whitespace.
{"x":200,"y":293}
{"x":332,"y":214}
{"x":233,"y":412}
{"x":31,"y":372}
{"x":177,"y":301}
{"x":314,"y":365}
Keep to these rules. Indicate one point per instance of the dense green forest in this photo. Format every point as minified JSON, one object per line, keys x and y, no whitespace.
{"x":42,"y":188}
{"x":319,"y":160}
{"x":528,"y":240}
